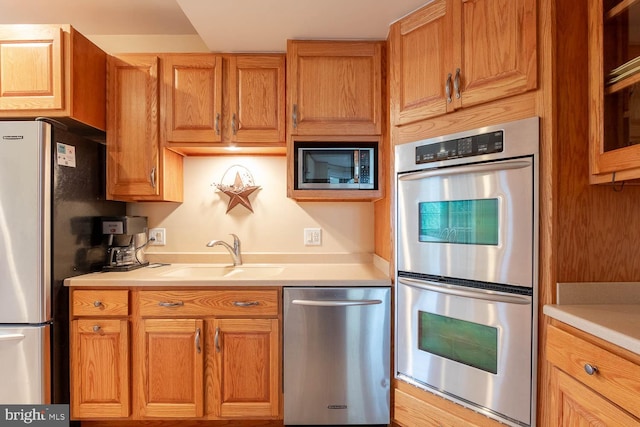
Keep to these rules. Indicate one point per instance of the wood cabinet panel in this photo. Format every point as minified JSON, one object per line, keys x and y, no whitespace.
{"x":192,"y":97}
{"x":99,"y":368}
{"x":257,"y":98}
{"x":100,"y":302}
{"x":452,"y":54}
{"x":52,"y":71}
{"x":578,"y":405}
{"x":31,"y":67}
{"x":208,"y":303}
{"x":499,"y":55}
{"x":616,"y":378}
{"x":138,"y":167}
{"x":334,"y":88}
{"x":415,"y":407}
{"x":247,"y":366}
{"x":171,"y":375}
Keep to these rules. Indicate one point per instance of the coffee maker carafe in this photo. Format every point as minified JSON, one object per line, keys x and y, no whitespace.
{"x":127,"y":242}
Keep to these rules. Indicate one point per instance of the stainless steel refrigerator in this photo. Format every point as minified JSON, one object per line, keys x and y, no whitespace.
{"x":52,"y":194}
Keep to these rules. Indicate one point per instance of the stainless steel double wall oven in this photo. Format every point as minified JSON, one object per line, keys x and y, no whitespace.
{"x":466,"y":268}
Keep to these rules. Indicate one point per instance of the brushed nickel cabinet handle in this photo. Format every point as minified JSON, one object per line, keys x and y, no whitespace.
{"x":171,"y":304}
{"x":246,"y":303}
{"x":456,"y":83}
{"x":217,"y":124}
{"x":234,"y":126}
{"x":294,"y":116}
{"x":96,"y":328}
{"x":152,"y":175}
{"x":447,"y":88}
{"x":97,"y":303}
{"x":216,"y":340}
{"x":198,"y":348}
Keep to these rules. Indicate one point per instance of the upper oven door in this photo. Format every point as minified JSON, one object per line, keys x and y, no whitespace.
{"x":469,"y":221}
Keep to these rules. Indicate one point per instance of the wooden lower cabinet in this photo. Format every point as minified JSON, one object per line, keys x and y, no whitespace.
{"x":593,"y":382}
{"x":197,"y":355}
{"x":171,"y":369}
{"x":99,"y":368}
{"x":246,"y":367}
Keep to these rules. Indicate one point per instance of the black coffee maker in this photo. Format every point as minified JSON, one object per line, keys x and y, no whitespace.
{"x":128,"y":239}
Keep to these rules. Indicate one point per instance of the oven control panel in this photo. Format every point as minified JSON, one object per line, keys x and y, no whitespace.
{"x":469,"y":146}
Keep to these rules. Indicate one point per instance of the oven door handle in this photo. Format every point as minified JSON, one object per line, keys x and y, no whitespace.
{"x":335,"y":303}
{"x":458,"y":291}
{"x":457,"y":170}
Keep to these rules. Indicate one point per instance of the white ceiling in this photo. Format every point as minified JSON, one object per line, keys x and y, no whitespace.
{"x":223,"y":25}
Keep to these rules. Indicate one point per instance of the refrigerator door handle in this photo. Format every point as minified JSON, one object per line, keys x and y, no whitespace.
{"x":12,"y":337}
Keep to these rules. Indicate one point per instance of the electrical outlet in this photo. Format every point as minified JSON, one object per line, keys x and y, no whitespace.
{"x":160,"y":236}
{"x":312,"y":236}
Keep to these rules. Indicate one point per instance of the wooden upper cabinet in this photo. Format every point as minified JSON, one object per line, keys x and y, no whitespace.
{"x":138,"y":167}
{"x":452,"y":54}
{"x":614,"y":101}
{"x":256,"y":98}
{"x":212,"y":101}
{"x":53,"y":71}
{"x":334,"y":87}
{"x":192,"y":97}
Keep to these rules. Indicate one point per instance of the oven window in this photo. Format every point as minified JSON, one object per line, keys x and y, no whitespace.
{"x":468,"y":222}
{"x":466,"y":342}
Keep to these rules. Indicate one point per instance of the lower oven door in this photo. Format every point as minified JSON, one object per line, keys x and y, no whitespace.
{"x":469,"y":345}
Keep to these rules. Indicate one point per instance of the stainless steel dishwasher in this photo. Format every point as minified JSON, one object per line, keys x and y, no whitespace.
{"x":336,"y":356}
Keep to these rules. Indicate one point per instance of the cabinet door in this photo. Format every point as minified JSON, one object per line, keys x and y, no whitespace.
{"x":132,"y":127}
{"x":421,"y":54}
{"x":247,"y":368}
{"x":192,"y":97}
{"x":574,"y":404}
{"x":31,"y":67}
{"x":334,"y":88}
{"x":256,"y":98}
{"x":614,"y":101}
{"x":99,"y":368}
{"x":498,"y":49}
{"x":171,"y":372}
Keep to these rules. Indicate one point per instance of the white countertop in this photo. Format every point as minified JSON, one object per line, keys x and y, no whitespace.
{"x":277,"y":274}
{"x":610,"y":311}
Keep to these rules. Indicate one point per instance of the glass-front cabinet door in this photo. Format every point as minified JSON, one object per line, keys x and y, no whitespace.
{"x":614,"y":86}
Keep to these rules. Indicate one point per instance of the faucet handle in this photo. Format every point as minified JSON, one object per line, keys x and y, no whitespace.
{"x":236,"y":240}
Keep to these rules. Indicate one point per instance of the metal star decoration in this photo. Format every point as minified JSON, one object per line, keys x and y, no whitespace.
{"x":239,"y":191}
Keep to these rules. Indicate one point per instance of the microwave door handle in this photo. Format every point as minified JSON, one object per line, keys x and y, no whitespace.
{"x":335,"y":303}
{"x":457,"y":170}
{"x":356,"y":166}
{"x":469,"y":293}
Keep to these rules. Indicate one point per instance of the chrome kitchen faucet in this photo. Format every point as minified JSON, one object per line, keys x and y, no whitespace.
{"x":234,"y":251}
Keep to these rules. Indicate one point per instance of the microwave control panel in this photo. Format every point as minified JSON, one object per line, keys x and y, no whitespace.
{"x":476,"y":145}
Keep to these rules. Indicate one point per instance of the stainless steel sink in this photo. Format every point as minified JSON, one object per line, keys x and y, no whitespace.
{"x":245,"y":271}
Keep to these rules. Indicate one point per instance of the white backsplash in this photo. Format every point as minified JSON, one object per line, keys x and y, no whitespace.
{"x":276,"y":224}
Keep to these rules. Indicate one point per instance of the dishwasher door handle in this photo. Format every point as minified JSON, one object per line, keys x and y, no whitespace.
{"x":335,"y":303}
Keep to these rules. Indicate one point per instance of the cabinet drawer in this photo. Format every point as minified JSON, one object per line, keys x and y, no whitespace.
{"x":100,"y":302}
{"x":208,"y":303}
{"x":616,"y":378}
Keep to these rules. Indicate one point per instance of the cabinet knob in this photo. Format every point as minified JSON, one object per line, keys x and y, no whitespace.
{"x":96,"y":328}
{"x":97,"y":303}
{"x":590,"y":369}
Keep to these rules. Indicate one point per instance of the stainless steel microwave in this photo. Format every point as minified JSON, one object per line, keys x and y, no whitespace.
{"x":335,"y":166}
